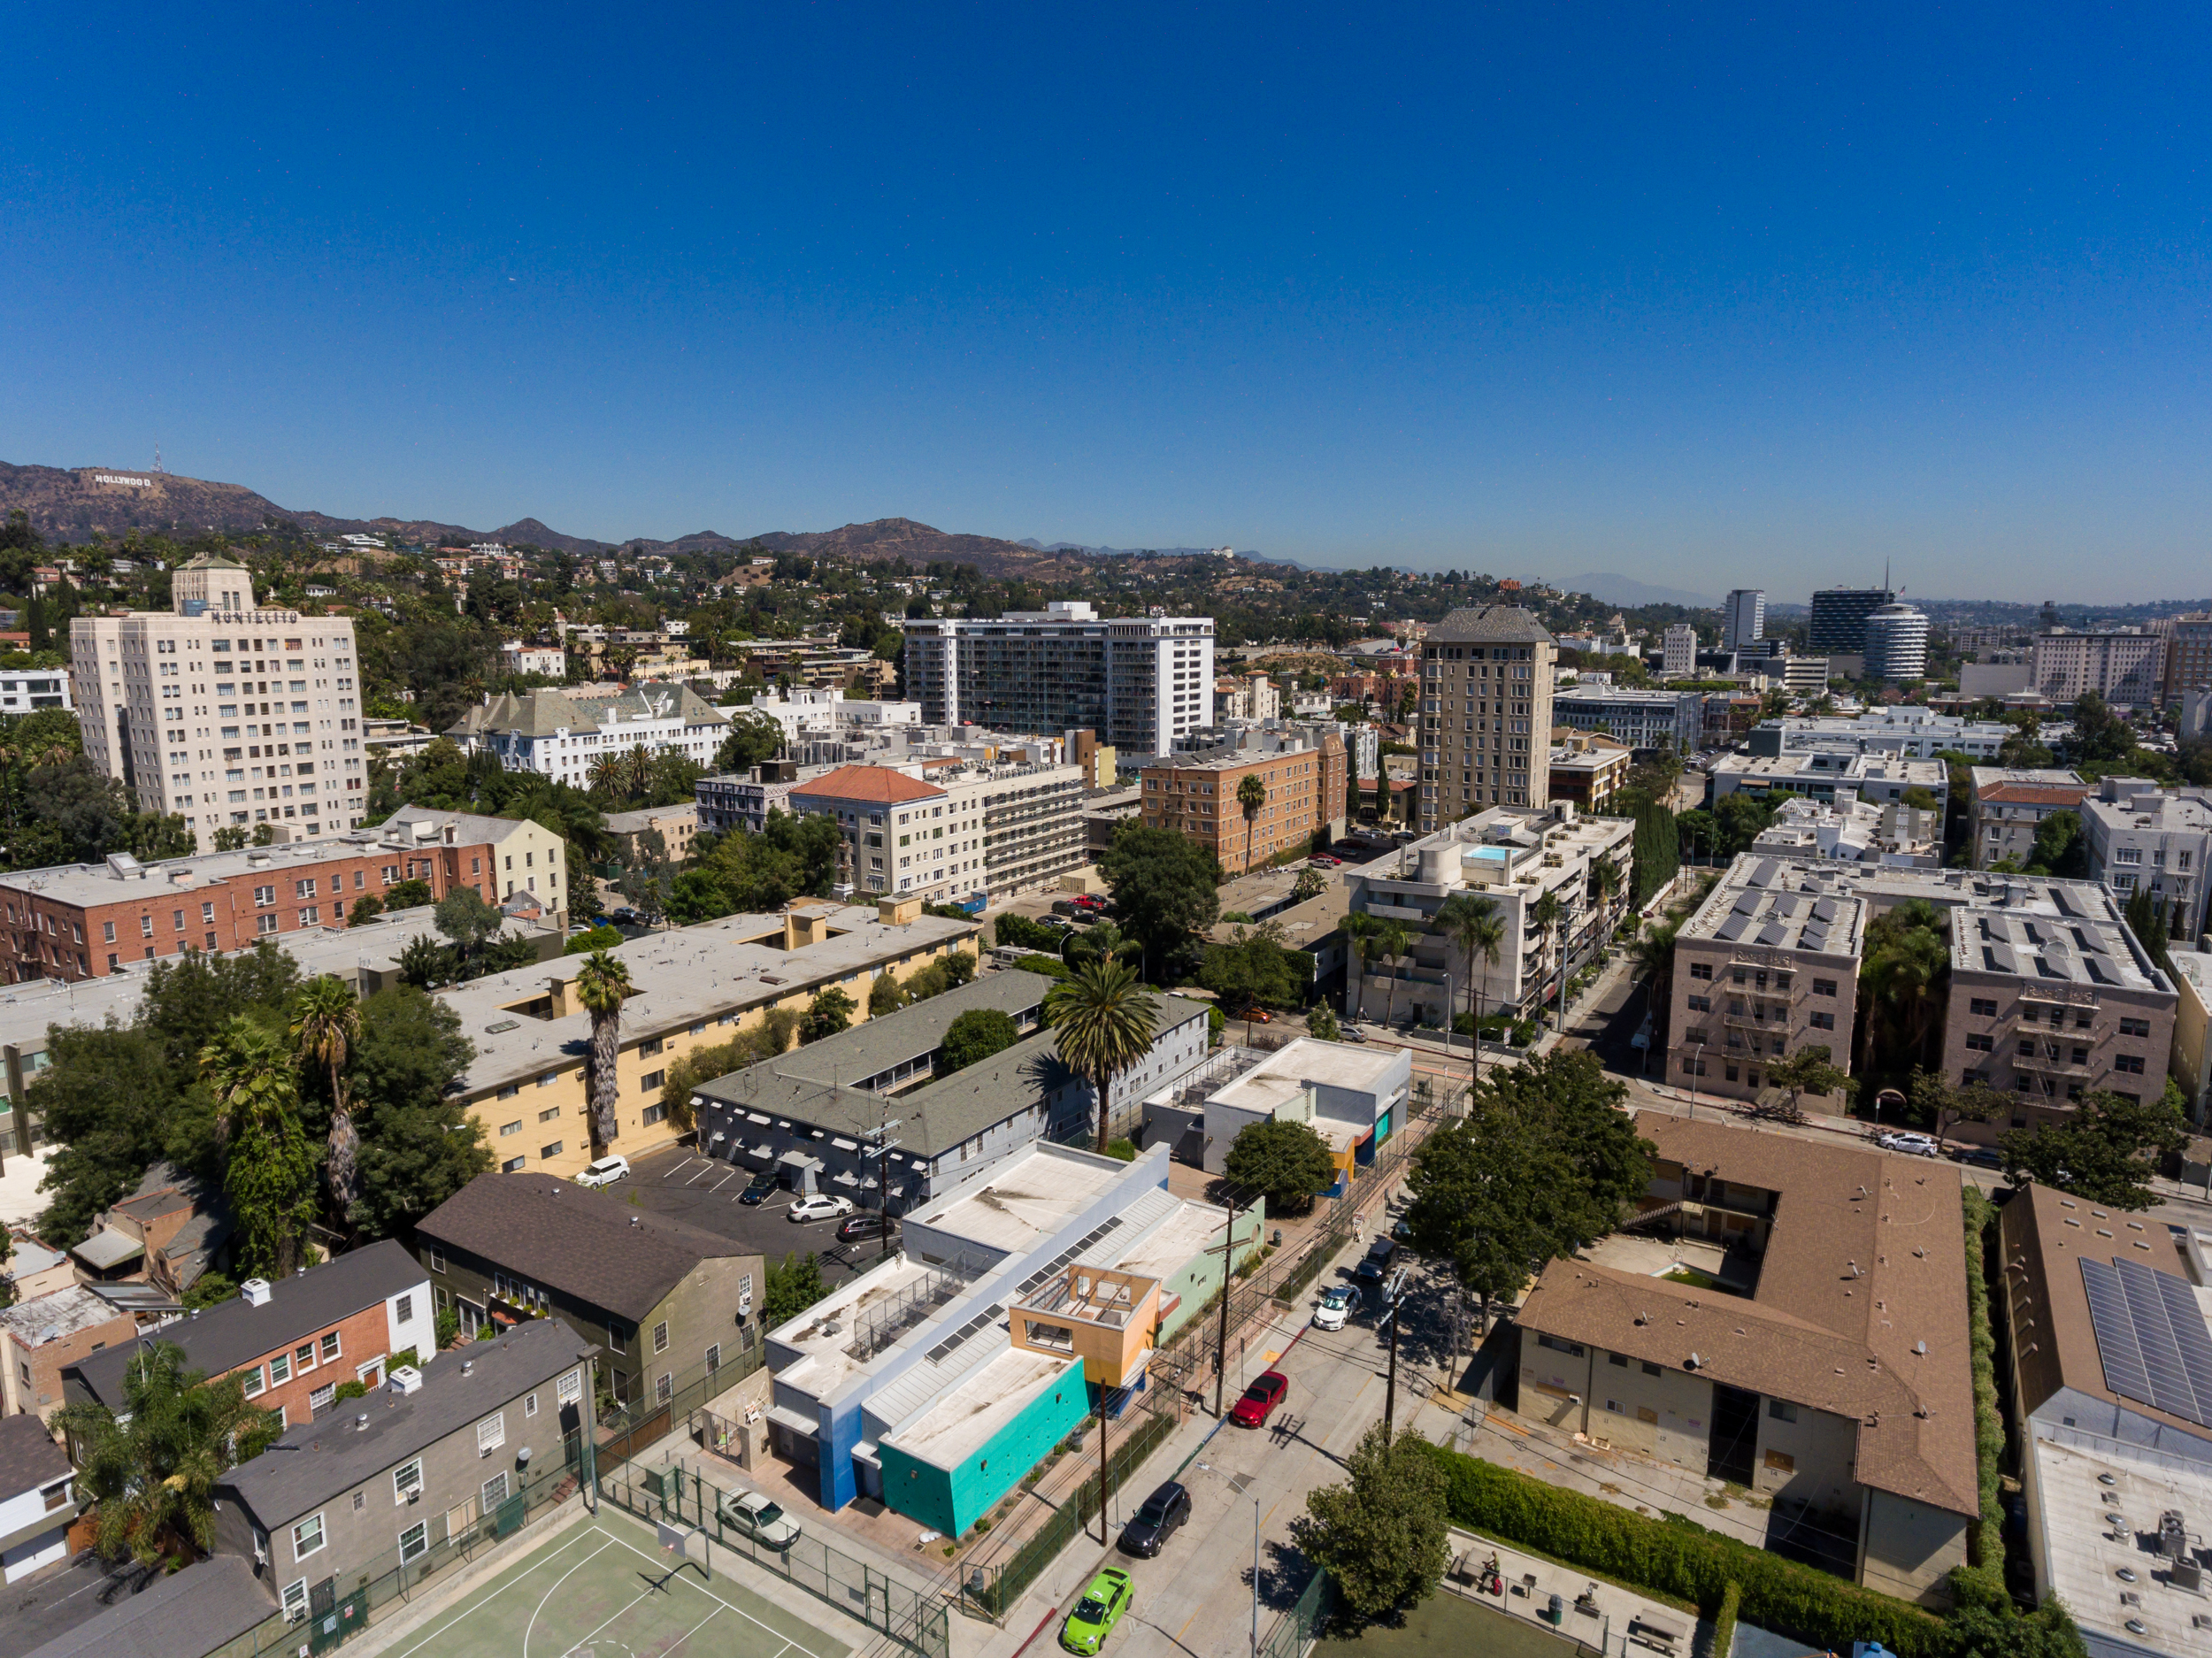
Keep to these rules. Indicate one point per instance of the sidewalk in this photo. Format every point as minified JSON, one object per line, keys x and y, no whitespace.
{"x":1598,"y":1613}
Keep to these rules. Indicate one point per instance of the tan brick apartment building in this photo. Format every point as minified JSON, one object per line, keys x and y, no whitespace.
{"x":1485,"y":713}
{"x":1197,"y":798}
{"x":86,"y":920}
{"x":41,"y":1337}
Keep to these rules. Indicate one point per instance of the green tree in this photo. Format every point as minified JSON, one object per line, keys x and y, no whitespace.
{"x":793,"y":1284}
{"x":603,"y":984}
{"x":367,"y":907}
{"x":2146,"y":919}
{"x":408,"y":895}
{"x":151,"y":1469}
{"x":1255,"y":968}
{"x":1390,"y":941}
{"x":2061,"y":848}
{"x":1321,"y":1024}
{"x":830,"y":1011}
{"x":1163,"y":891}
{"x":1105,"y":1020}
{"x":1381,"y":1535}
{"x":326,"y":1023}
{"x":975,"y":1036}
{"x":1471,"y":923}
{"x":2101,"y":737}
{"x":463,"y":916}
{"x":268,"y":1163}
{"x":107,"y":1098}
{"x":418,"y":1144}
{"x":1285,"y":1162}
{"x":885,"y":995}
{"x":751,"y":738}
{"x":1808,"y":1071}
{"x":1946,"y":1104}
{"x":2103,"y":1151}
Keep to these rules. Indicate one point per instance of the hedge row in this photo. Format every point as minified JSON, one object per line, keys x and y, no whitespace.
{"x":1983,"y":1581}
{"x":1725,"y":1620}
{"x":1684,"y":1562}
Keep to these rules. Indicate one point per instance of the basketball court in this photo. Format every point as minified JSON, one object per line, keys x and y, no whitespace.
{"x":612,"y":1588}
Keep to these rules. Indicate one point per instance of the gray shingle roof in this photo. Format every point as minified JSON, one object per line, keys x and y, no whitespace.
{"x":1490,"y":624}
{"x":579,"y":1243}
{"x":185,"y":1616}
{"x":225,"y":1337}
{"x":28,"y":1455}
{"x":333,"y":1453}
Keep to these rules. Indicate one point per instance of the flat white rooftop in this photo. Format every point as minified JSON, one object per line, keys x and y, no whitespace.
{"x":1023,"y":1203}
{"x":826,"y":1330}
{"x":1283,"y":1073}
{"x":2092,"y":1531}
{"x":1173,"y":1245}
{"x":989,"y":1397}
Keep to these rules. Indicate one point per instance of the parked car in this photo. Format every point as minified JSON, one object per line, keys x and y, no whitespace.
{"x":1259,"y":1402}
{"x":1161,"y":1517}
{"x":1063,"y":906}
{"x":1333,"y":1308}
{"x":1978,"y":1156}
{"x":758,"y":1517}
{"x":1058,"y":924}
{"x":1090,"y":904}
{"x":1351,"y":1033}
{"x":759,"y":1187}
{"x":625,"y":917}
{"x":1322,"y":861}
{"x":606,"y":1171}
{"x":867,"y":1225}
{"x":1095,"y":1615}
{"x":821,"y":1206}
{"x":1377,"y":1260}
{"x":1911,"y":1145}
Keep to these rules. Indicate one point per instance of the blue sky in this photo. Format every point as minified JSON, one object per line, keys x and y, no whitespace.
{"x":1708,"y":296}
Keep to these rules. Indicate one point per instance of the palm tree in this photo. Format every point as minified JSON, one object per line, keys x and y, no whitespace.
{"x":638,"y":766}
{"x":1358,"y":927}
{"x":326,"y":1025}
{"x":268,"y":1163}
{"x":1251,"y":795}
{"x":1105,"y":1018}
{"x":150,"y":1469}
{"x":1548,"y":912}
{"x":1607,"y":875}
{"x":604,"y":774}
{"x":1474,"y":924}
{"x":1392,"y":939}
{"x":603,"y":984}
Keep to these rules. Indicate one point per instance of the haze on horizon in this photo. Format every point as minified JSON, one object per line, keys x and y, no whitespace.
{"x":1736,"y":297}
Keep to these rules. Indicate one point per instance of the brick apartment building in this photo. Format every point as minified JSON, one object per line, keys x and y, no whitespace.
{"x":294,"y":1342}
{"x":1197,"y":798}
{"x":86,"y":920}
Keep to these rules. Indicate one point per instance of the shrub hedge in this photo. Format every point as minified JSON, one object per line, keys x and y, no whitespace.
{"x":1725,"y":1620}
{"x":1685,"y":1561}
{"x":1982,"y":1582}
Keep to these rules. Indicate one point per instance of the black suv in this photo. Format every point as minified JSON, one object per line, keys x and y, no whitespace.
{"x":760,"y":1186}
{"x":1162,"y":1514}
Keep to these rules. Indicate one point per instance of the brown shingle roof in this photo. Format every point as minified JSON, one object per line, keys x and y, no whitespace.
{"x":580,"y":1243}
{"x":1814,"y":1332}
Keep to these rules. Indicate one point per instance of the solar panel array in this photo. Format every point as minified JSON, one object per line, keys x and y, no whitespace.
{"x":981,"y":1320}
{"x":2151,"y":1337}
{"x":1066,"y":1255}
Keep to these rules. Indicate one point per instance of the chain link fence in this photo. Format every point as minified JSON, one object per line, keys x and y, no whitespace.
{"x":1289,"y":1635}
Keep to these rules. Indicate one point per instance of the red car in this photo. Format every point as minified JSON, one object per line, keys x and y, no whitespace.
{"x":1089,"y":903}
{"x":1260,"y":1400}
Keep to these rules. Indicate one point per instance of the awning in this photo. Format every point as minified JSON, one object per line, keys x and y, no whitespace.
{"x":844,"y":1178}
{"x":784,"y":1416}
{"x":798,"y":1158}
{"x":845,"y":1145}
{"x":108,"y":1247}
{"x":754,"y":1117}
{"x":716,"y":1137}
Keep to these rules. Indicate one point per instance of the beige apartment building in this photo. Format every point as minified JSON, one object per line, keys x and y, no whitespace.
{"x":1195,"y":795}
{"x":2007,"y":805}
{"x":223,"y":713}
{"x":1485,"y":713}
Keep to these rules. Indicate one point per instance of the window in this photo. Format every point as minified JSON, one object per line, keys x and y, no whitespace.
{"x":307,"y":1536}
{"x":569,"y":1387}
{"x":1983,"y":1009}
{"x":1981,"y":1044}
{"x":303,"y":1357}
{"x":660,"y":1336}
{"x":2132,"y":1064}
{"x":254,"y":1382}
{"x":550,"y":1150}
{"x":714,"y":1358}
{"x":437,"y":1259}
{"x":649,"y":1048}
{"x":491,"y":1433}
{"x":1650,"y":1370}
{"x":653,"y":1114}
{"x":407,"y":1481}
{"x":530,"y":1405}
{"x":2135,"y":1027}
{"x":1573,"y":1349}
{"x":664,"y":1388}
{"x":296,"y":1600}
{"x":1823,"y":1021}
{"x":514,"y":1127}
{"x":618,"y":1338}
{"x":1620,"y":1359}
{"x":1701,"y":970}
{"x":320,"y":1400}
{"x":330,"y":1344}
{"x":57,"y":1495}
{"x":279,"y":1369}
{"x":1823,"y":988}
{"x":405,"y":1312}
{"x":548,"y":1116}
{"x":514,"y":1165}
{"x":414,"y":1542}
{"x":495,"y":1491}
{"x":1781,"y":1410}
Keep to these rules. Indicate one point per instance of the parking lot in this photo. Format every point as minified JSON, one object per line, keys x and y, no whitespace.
{"x":676,"y":1182}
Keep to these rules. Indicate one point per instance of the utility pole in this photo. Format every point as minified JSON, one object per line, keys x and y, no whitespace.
{"x":1255,"y":1578}
{"x":884,"y":1143}
{"x":1228,"y":1258}
{"x":1390,"y":1387}
{"x":1102,"y":1468}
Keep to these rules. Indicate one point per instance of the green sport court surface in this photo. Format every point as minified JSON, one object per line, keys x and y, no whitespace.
{"x":603,"y":1589}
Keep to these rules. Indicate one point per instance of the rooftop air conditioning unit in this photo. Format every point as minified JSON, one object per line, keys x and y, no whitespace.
{"x":405,"y":1379}
{"x":255,"y":1292}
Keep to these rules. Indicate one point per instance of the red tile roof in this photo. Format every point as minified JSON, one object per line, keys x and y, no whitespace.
{"x":2036,"y":794}
{"x":876,"y":784}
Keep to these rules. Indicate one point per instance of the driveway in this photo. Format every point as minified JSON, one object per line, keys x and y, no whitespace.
{"x":676,"y":1181}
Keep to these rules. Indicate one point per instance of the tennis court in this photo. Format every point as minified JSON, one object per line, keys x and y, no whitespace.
{"x":605,"y":1589}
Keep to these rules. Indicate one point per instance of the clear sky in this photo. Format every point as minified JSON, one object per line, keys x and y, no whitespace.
{"x":1709,"y":296}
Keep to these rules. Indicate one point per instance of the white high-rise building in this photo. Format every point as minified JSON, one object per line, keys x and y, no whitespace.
{"x":1139,"y":682}
{"x":1896,"y":643}
{"x":224,"y":714}
{"x":1743,"y":618}
{"x":1678,"y":659}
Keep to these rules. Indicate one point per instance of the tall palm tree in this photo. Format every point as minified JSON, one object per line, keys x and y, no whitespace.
{"x":152,"y":1469}
{"x":1392,"y":939}
{"x":603,"y":984}
{"x":1251,"y":795}
{"x":604,"y":774}
{"x":1104,"y":1018}
{"x":639,"y":765}
{"x":1474,"y":924}
{"x":1606,"y":875}
{"x":1358,"y":927}
{"x":268,"y":1163}
{"x":326,"y":1025}
{"x":1653,"y":953}
{"x":1548,"y":912}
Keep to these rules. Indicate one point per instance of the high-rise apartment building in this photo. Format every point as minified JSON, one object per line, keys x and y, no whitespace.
{"x":1838,"y":627}
{"x":2127,"y":666}
{"x":222,"y":713}
{"x":1743,"y":618}
{"x":2188,"y":652}
{"x":1897,"y":643}
{"x":1302,"y":793}
{"x":1140,"y":682}
{"x":1677,"y":648}
{"x":948,"y":830}
{"x":1485,"y":713}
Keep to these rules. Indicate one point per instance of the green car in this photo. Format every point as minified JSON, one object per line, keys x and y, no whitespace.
{"x":1097,"y":1612}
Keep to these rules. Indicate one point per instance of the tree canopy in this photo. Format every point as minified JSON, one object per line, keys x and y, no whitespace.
{"x":1382,"y":1535}
{"x":975,"y":1036}
{"x":2103,"y":1151}
{"x":1285,"y":1162}
{"x":743,"y":873}
{"x":1163,"y":891}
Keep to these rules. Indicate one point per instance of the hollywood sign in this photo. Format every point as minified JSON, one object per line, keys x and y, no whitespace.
{"x":118,"y":478}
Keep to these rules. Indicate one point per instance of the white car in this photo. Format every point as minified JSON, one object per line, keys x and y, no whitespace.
{"x":1335,"y":1305}
{"x":606,"y":1171}
{"x":820,"y":1206}
{"x":1911,"y":1145}
{"x":758,"y":1519}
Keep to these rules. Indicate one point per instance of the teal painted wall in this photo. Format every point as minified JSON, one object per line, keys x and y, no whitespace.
{"x":952,"y":1500}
